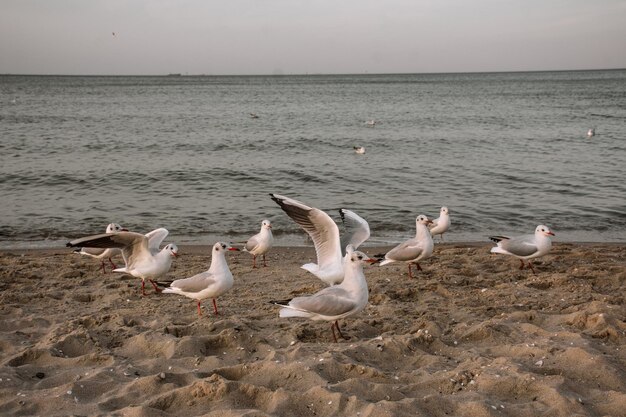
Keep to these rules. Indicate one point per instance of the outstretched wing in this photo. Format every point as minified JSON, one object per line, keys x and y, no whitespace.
{"x":320,"y":227}
{"x":357,"y":230}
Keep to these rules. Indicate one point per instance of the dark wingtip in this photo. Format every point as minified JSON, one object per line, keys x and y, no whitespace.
{"x":343,"y":216}
{"x":69,"y":245}
{"x":280,"y":302}
{"x":495,"y":238}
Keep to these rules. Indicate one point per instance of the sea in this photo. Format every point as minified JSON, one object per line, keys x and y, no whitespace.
{"x":199,"y":155}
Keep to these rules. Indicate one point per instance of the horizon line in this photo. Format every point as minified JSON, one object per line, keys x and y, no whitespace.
{"x":178,"y":74}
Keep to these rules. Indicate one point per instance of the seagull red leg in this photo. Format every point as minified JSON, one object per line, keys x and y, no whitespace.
{"x":199,"y":309}
{"x":215,"y":308}
{"x":332,"y":328}
{"x":156,"y":288}
{"x":143,"y":287}
{"x":530,"y":265}
{"x":112,"y":264}
{"x":102,"y":267}
{"x":339,"y":331}
{"x":264,"y":263}
{"x":254,"y":261}
{"x":521,"y":264}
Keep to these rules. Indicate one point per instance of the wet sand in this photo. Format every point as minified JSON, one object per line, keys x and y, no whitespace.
{"x":472,"y":335}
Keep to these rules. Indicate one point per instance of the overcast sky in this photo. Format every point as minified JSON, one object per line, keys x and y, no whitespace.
{"x":308,"y":36}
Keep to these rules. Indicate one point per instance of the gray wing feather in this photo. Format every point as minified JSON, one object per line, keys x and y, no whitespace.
{"x":195,"y":283}
{"x":520,"y":245}
{"x":251,"y":243}
{"x":406,"y":251}
{"x":320,"y":227}
{"x":327,"y":303}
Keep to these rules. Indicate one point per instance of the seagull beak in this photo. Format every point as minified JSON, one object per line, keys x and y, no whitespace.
{"x":175,"y":255}
{"x":235,"y":249}
{"x":372,"y":261}
{"x":550,"y":233}
{"x":123,"y":230}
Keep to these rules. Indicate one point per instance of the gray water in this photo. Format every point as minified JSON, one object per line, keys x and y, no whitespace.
{"x":504,"y":151}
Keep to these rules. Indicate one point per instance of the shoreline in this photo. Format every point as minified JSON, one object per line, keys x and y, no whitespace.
{"x":197,"y":248}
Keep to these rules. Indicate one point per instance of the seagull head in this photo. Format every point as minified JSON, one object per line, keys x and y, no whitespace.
{"x":222,"y":247}
{"x":266,"y":224}
{"x":444,"y":210}
{"x":172,"y":249}
{"x":422,"y":219}
{"x":114,"y":228}
{"x":543,"y":230}
{"x":356,"y":256}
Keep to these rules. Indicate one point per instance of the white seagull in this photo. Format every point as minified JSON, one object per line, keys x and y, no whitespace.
{"x":140,"y":261}
{"x":103,"y":254}
{"x":359,"y":150}
{"x":208,"y":284}
{"x":260,"y":243}
{"x":525,"y":247}
{"x":591,"y":132}
{"x":413,"y":250}
{"x":441,"y":224}
{"x":336,"y":302}
{"x":325,"y":235}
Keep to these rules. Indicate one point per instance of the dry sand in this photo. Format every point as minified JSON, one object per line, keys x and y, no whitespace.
{"x":471,"y":336}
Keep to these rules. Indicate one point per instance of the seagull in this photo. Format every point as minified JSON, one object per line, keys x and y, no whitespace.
{"x":140,"y":261}
{"x":371,"y":123}
{"x":359,"y":150}
{"x":591,"y":132}
{"x":325,"y":235}
{"x":208,"y":284}
{"x":103,"y":254}
{"x":525,"y":247}
{"x":336,"y":302}
{"x":260,"y":243}
{"x":413,"y":250}
{"x":441,"y":224}
{"x":254,"y":116}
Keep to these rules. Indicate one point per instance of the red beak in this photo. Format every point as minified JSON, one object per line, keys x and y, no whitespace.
{"x":235,"y":249}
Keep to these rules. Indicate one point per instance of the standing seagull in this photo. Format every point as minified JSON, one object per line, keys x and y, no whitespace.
{"x":208,"y":284}
{"x":525,"y":247}
{"x":413,"y":250}
{"x":140,"y":261}
{"x":260,"y":243}
{"x":336,"y":302}
{"x":591,"y":132}
{"x":325,"y":235}
{"x":441,"y":224}
{"x":103,"y":254}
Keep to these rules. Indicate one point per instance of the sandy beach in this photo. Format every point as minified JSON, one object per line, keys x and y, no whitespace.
{"x":472,"y":335}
